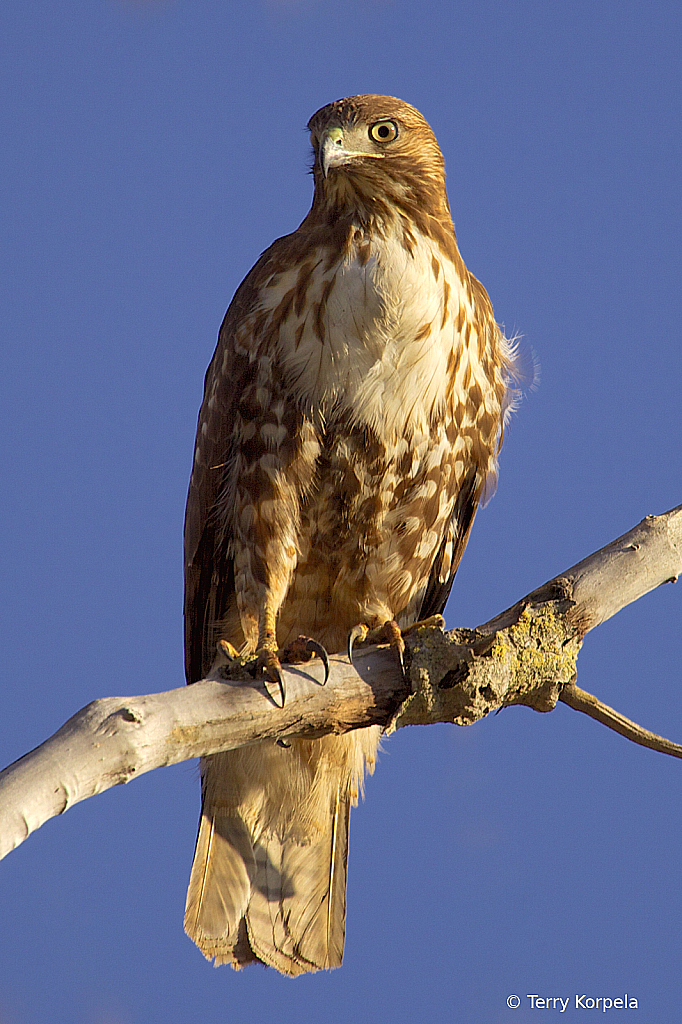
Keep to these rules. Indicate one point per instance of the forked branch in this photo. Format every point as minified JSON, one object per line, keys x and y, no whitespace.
{"x":526,"y":655}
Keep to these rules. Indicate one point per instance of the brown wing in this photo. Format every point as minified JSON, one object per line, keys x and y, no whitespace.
{"x":209,"y":581}
{"x":452,"y":546}
{"x":209,"y":577}
{"x":481,"y":474}
{"x":208,"y":570}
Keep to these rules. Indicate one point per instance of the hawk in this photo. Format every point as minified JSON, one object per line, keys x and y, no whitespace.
{"x":352,"y":417}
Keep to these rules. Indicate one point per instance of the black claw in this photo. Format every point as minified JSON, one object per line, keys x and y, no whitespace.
{"x":313,"y":647}
{"x":275,"y":676}
{"x":402,"y":663}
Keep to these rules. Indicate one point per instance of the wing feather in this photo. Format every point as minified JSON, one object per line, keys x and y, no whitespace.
{"x":451,"y":549}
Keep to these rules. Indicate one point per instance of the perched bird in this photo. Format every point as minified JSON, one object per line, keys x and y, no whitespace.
{"x":352,"y":417}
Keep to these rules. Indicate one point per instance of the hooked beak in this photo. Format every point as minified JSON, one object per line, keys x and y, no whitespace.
{"x":332,"y":152}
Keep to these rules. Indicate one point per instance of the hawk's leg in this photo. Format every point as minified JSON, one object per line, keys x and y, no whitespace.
{"x":389,"y":633}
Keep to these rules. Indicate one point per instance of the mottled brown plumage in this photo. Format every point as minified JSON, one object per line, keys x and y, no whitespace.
{"x":352,"y":417}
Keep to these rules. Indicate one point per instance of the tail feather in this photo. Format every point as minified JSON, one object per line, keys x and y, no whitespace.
{"x":296,"y":918}
{"x":322,"y":914}
{"x":268,"y":881}
{"x":220,"y":883}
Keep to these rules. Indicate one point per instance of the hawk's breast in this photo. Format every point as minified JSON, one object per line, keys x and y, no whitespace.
{"x":376,"y":336}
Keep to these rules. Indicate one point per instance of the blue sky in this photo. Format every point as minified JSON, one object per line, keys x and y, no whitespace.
{"x":151,"y":150}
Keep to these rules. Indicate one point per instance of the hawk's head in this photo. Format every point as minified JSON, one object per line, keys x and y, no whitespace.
{"x":371,"y":151}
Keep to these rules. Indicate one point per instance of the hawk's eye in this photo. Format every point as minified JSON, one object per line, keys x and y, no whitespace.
{"x":383,"y":131}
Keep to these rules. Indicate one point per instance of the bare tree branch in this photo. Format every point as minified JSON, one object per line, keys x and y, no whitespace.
{"x":526,"y":655}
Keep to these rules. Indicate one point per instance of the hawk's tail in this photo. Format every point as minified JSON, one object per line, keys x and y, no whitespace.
{"x":268,"y":881}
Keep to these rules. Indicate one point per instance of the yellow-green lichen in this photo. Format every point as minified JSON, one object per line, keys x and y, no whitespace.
{"x":460,"y":678}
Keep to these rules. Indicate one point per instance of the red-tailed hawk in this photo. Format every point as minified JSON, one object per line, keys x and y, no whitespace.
{"x":352,"y":417}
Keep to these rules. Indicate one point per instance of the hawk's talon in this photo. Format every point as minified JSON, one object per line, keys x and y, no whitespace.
{"x":279,"y":679}
{"x":302,"y":649}
{"x":268,"y":661}
{"x":269,"y":664}
{"x":388,"y":633}
{"x":314,"y":647}
{"x":358,"y":632}
{"x":394,"y":636}
{"x":402,"y":662}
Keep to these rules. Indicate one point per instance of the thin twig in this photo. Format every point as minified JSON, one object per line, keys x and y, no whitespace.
{"x":581,"y":700}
